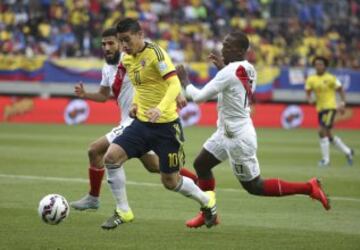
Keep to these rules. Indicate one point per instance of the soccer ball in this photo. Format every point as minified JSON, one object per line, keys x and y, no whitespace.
{"x":53,"y":209}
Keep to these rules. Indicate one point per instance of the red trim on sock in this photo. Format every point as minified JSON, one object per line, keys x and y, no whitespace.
{"x":186,"y":172}
{"x":277,"y":187}
{"x":95,"y":178}
{"x":207,"y":185}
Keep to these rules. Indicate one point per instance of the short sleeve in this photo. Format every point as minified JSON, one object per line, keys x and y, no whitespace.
{"x":337,"y":83}
{"x":104,"y":78}
{"x":163,"y":62}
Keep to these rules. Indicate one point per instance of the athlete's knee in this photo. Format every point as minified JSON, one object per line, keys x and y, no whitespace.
{"x":325,"y":132}
{"x":321,"y":133}
{"x":329,"y":135}
{"x":151,"y":162}
{"x":170,"y":182}
{"x":254,"y":187}
{"x":152,"y":166}
{"x":170,"y":185}
{"x":96,"y":152}
{"x":115,"y":155}
{"x":93,"y":152}
{"x":153,"y":170}
{"x":110,"y":158}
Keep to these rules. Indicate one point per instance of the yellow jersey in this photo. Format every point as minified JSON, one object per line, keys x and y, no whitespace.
{"x":324,"y":87}
{"x":148,"y":71}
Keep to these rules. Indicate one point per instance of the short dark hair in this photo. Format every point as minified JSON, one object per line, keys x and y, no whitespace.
{"x":128,"y":24}
{"x":109,"y":32}
{"x":241,"y":39}
{"x":321,"y":58}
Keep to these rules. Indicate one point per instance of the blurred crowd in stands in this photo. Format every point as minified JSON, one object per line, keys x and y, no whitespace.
{"x":282,"y":32}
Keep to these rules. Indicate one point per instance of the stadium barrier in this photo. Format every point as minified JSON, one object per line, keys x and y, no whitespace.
{"x":48,"y":77}
{"x":77,"y":111}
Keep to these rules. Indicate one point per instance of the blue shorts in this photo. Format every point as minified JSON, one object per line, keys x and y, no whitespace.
{"x":165,"y":139}
{"x":326,"y":118}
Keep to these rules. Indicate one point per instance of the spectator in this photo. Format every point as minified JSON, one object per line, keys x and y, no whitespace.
{"x":282,"y":32}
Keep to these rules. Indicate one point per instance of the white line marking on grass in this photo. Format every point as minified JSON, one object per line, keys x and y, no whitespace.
{"x":63,"y":179}
{"x":135,"y":183}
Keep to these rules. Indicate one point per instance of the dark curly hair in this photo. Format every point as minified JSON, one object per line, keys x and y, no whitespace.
{"x":321,"y":58}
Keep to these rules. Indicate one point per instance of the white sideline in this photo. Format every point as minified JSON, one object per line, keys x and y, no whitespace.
{"x":147,"y":184}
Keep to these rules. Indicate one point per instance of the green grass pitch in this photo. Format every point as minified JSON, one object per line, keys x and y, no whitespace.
{"x":40,"y":159}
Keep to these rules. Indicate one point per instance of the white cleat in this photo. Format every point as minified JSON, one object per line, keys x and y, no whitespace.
{"x":87,"y":202}
{"x":323,"y":163}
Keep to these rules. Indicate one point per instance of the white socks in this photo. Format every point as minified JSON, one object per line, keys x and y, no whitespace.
{"x":341,"y":146}
{"x":188,"y":188}
{"x":324,"y":146}
{"x":117,"y":181}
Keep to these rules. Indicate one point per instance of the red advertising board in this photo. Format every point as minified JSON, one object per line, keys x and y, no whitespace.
{"x":65,"y":110}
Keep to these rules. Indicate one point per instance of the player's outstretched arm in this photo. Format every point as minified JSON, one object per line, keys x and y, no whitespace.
{"x":101,"y":96}
{"x":197,"y":95}
{"x":183,"y":75}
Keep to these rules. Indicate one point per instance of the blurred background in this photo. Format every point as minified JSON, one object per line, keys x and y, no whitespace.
{"x":46,"y":46}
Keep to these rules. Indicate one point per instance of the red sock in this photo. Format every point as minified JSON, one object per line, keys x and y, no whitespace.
{"x":186,"y":172}
{"x":277,"y":187}
{"x":95,"y":177}
{"x":207,"y":185}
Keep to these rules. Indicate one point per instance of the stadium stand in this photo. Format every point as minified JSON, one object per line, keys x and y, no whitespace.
{"x":283,"y":32}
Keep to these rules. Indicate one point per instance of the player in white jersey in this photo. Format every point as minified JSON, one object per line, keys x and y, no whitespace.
{"x":115,"y":80}
{"x":235,"y":137}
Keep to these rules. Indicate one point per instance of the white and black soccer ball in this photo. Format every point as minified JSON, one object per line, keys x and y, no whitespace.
{"x":53,"y":209}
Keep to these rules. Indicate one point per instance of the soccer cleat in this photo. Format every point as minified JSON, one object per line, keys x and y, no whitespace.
{"x":209,"y":210}
{"x":199,"y":221}
{"x":349,"y":157}
{"x":87,"y":202}
{"x":119,"y":217}
{"x":323,"y":163}
{"x":318,"y":194}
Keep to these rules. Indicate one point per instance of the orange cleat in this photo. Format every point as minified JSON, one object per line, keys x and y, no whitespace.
{"x":318,"y":194}
{"x":199,"y":221}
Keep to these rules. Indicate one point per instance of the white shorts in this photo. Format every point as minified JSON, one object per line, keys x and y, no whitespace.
{"x":241,"y":151}
{"x":115,"y":132}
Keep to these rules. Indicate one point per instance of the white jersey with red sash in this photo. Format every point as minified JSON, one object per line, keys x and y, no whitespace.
{"x":235,"y":137}
{"x":115,"y":77}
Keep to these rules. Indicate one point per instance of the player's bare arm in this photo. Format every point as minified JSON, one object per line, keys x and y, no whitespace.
{"x":309,"y":99}
{"x":133,"y":110}
{"x":342,"y":103}
{"x":183,"y":75}
{"x":102,"y":95}
{"x":181,"y":101}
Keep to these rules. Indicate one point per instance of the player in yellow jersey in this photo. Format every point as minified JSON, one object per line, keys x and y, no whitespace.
{"x":325,"y":85}
{"x":156,"y":125}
